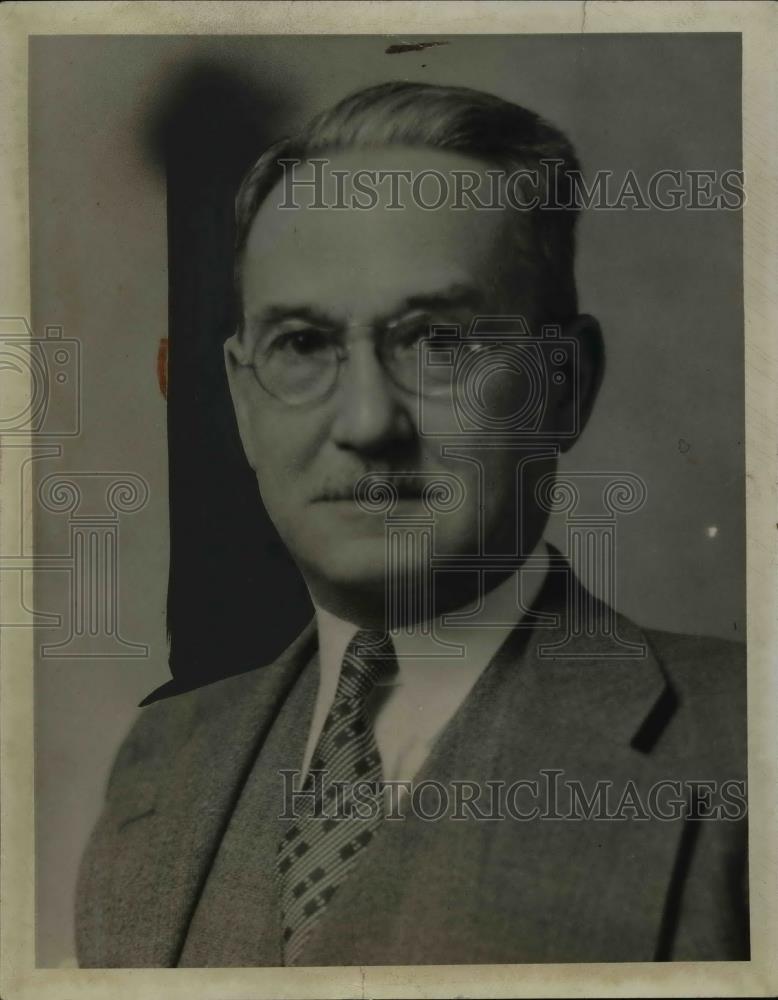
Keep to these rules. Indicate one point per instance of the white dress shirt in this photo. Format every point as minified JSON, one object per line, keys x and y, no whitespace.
{"x":412,"y":708}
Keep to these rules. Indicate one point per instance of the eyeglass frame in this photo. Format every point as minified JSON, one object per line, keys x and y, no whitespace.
{"x":342,"y":353}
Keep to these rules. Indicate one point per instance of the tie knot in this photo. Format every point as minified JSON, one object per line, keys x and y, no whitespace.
{"x":369,"y":658}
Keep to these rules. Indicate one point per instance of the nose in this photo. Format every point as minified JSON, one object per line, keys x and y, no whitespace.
{"x":370,"y":414}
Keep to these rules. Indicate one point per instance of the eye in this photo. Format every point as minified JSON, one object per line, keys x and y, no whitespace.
{"x":300,"y":342}
{"x":407,"y":334}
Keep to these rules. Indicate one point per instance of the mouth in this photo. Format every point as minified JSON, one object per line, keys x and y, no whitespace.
{"x":403,"y":491}
{"x":350,"y":498}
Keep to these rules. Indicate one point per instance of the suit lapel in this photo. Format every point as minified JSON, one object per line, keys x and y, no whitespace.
{"x":525,"y":891}
{"x":166,"y":854}
{"x":599,"y":886}
{"x":471,"y":891}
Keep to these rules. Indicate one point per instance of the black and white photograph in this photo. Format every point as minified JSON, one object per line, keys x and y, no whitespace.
{"x":389,"y":470}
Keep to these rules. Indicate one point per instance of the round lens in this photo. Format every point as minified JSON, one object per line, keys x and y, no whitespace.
{"x":297,"y":366}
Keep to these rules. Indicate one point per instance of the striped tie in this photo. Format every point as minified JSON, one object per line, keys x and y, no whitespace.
{"x":318,"y":851}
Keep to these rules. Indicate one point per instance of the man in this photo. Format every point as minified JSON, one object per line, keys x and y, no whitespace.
{"x":404,"y":379}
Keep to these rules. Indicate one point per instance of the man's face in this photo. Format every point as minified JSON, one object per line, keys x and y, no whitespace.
{"x":349,"y":275}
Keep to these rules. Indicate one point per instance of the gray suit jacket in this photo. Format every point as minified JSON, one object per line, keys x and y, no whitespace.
{"x":184,"y":792}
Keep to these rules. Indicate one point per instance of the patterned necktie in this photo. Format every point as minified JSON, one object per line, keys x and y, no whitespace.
{"x":318,"y":851}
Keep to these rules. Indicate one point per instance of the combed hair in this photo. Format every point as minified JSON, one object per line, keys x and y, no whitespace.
{"x":457,"y":119}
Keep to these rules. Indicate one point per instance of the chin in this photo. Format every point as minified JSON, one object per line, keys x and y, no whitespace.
{"x":350,"y":579}
{"x":347,"y":562}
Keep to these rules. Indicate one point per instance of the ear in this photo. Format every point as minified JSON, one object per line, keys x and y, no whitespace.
{"x":240,"y":381}
{"x":574,"y":409}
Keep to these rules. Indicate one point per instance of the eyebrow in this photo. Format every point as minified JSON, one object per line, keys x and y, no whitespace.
{"x":278,"y":313}
{"x":456,"y":295}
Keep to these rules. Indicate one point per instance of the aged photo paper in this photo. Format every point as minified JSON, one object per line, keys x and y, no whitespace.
{"x":388,"y":521}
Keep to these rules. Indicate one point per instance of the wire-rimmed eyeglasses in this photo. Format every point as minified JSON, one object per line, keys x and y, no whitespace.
{"x":300,"y":363}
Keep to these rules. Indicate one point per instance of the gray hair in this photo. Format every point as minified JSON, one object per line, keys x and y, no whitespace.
{"x":456,"y":119}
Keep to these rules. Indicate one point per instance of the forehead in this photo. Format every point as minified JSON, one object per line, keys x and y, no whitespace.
{"x":357,"y":262}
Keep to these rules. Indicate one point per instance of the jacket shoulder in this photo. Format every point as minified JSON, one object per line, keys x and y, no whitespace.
{"x":700,"y":666}
{"x":163,"y":727}
{"x":708,"y":678}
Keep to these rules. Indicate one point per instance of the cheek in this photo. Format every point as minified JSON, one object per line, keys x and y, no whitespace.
{"x":500,"y":483}
{"x":265,"y":439}
{"x":521,"y":401}
{"x":499,"y":487}
{"x":282,"y":446}
{"x":506,"y":389}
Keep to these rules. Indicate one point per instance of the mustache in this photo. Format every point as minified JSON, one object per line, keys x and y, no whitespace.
{"x":408,"y":485}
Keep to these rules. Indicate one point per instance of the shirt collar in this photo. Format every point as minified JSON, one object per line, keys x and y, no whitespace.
{"x":467,"y":638}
